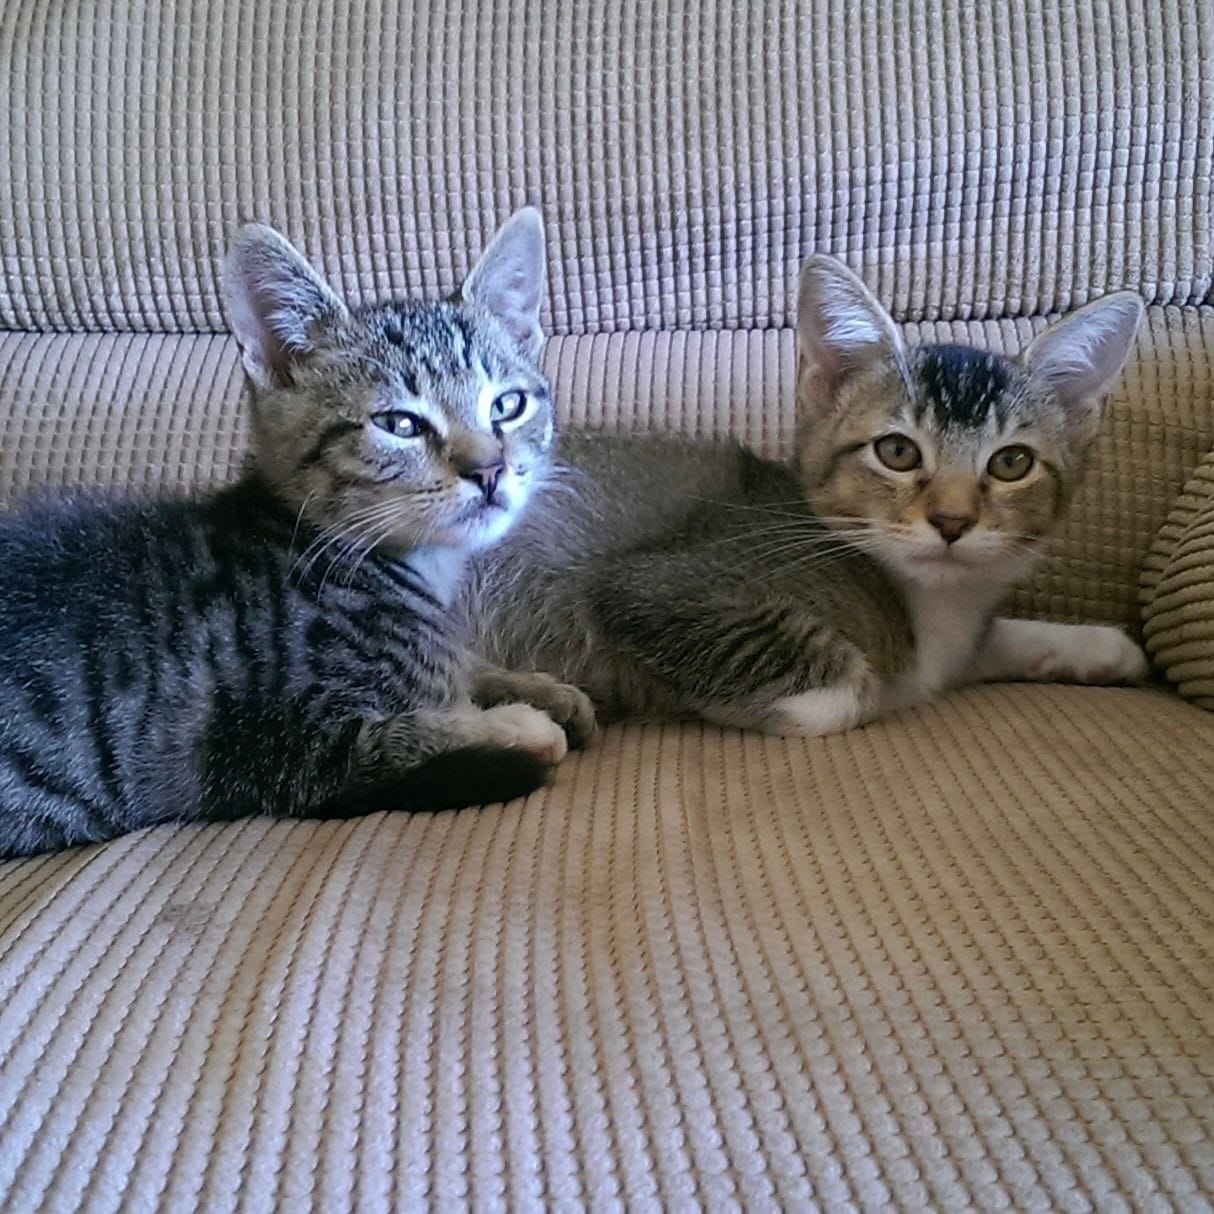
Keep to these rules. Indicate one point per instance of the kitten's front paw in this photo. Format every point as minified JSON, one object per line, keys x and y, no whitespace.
{"x":522,"y":727}
{"x":1095,"y":654}
{"x":568,"y":706}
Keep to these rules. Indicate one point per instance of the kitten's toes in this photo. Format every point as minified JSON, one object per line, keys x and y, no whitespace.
{"x":525,"y":728}
{"x":1098,"y":655}
{"x":570,"y":707}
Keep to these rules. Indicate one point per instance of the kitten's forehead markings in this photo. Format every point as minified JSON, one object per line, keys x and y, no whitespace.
{"x":462,"y":337}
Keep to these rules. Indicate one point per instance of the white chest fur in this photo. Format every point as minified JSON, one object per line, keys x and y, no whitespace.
{"x":948,"y":622}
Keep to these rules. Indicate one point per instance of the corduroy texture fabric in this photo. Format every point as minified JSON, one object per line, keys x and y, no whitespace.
{"x":144,"y":411}
{"x":971,"y":160}
{"x":1177,"y":590}
{"x":962,"y":959}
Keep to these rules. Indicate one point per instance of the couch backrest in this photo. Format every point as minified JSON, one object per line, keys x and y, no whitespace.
{"x":687,"y":153}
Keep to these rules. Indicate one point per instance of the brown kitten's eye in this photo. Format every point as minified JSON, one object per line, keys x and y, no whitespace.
{"x":898,"y":453}
{"x":1011,"y":463}
{"x":401,"y":424}
{"x":508,"y":407}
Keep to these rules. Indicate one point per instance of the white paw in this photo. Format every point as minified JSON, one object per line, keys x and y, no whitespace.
{"x":1095,"y":654}
{"x":814,"y":714}
{"x":525,"y":728}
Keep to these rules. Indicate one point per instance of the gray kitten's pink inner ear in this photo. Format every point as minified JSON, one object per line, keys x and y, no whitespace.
{"x":275,"y":303}
{"x":842,"y":329}
{"x":1080,"y":357}
{"x":509,"y":280}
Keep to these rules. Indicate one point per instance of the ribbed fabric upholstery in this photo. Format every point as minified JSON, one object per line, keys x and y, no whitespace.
{"x":959,"y":960}
{"x":152,"y":410}
{"x":971,"y":160}
{"x":1176,"y":590}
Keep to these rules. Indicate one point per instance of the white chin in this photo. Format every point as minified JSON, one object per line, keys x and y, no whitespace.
{"x":487,"y":527}
{"x":943,"y":572}
{"x":948,"y":569}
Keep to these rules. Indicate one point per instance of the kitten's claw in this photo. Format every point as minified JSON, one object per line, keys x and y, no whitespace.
{"x":525,"y":728}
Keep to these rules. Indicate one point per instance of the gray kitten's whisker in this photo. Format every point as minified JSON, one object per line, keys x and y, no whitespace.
{"x":299,"y":516}
{"x":304,"y":563}
{"x":341,"y":531}
{"x":389,"y":519}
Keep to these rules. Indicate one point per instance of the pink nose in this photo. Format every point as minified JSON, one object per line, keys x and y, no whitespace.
{"x":951,"y":526}
{"x":486,"y":476}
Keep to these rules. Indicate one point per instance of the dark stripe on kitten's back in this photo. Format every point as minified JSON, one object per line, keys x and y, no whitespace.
{"x":30,"y":770}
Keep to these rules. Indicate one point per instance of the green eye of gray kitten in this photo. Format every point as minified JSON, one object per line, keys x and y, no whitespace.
{"x":1011,"y":463}
{"x":898,"y":453}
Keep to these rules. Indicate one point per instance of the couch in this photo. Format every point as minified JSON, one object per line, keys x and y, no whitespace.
{"x":962,"y":958}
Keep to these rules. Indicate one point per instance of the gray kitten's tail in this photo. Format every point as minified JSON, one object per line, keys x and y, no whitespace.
{"x":455,"y":779}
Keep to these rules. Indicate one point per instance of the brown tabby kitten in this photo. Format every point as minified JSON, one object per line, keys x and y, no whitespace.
{"x":678,"y":578}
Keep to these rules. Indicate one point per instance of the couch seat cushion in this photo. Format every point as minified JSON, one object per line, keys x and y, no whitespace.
{"x":963,"y":957}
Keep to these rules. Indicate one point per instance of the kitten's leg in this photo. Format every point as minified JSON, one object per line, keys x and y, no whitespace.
{"x":401,"y":742}
{"x":308,"y":763}
{"x":448,"y":759}
{"x":735,"y":655}
{"x":1043,"y":652}
{"x":567,"y":705}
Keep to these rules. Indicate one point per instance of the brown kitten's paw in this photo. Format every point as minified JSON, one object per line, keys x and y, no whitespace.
{"x":522,"y":727}
{"x":1093,"y":654}
{"x":568,"y":706}
{"x":815,"y":714}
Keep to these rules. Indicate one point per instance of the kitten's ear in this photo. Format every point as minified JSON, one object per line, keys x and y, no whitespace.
{"x":509,"y":279}
{"x":1079,"y":357}
{"x":842,"y":329}
{"x":275,"y":303}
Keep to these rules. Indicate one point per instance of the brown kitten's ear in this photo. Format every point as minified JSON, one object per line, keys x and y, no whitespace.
{"x":841,"y":330}
{"x":509,"y":279}
{"x":1078,"y":358}
{"x":275,"y":303}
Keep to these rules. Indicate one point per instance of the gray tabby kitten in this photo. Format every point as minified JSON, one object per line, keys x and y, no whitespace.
{"x":285,"y":645}
{"x":682,"y":578}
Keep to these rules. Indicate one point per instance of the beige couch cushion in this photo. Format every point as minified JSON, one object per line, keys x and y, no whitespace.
{"x":956,"y":960}
{"x":972,"y":160}
{"x":1177,"y":590}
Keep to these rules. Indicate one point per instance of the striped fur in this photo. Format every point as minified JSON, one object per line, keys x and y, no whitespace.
{"x":285,"y":646}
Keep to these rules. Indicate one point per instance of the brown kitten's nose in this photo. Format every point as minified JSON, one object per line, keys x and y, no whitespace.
{"x":951,"y":526}
{"x":485,"y":475}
